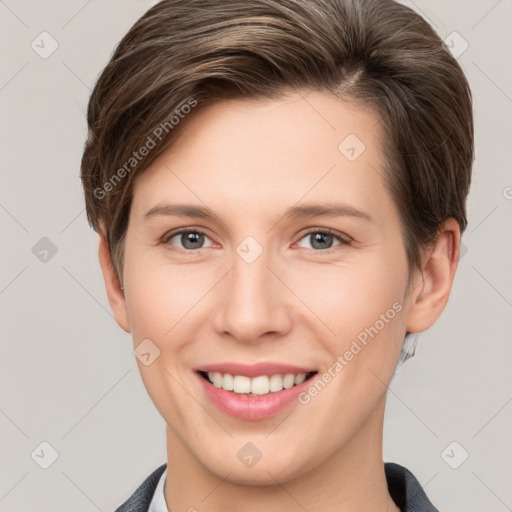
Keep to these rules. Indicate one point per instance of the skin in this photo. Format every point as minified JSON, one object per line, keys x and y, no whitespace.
{"x":248,"y":162}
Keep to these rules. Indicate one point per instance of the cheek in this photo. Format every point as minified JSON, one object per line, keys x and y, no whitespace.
{"x":366,"y":314}
{"x":158,"y":305}
{"x":347,"y":300}
{"x":378,"y":341}
{"x":363,"y":322}
{"x":163,"y":292}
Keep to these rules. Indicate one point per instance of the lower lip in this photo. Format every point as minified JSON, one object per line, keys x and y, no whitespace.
{"x":256,"y":407}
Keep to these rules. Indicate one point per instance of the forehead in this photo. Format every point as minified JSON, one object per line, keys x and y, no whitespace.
{"x":265,"y":155}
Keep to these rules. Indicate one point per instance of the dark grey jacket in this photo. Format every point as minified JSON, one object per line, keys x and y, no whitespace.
{"x":403,"y":487}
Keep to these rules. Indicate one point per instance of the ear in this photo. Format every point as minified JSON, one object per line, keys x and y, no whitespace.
{"x":113,"y":287}
{"x":432,"y":286}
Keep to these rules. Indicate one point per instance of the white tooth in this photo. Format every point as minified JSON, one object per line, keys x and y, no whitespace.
{"x":260,"y":385}
{"x":227,"y":383}
{"x":289,"y":380}
{"x":300,"y":378}
{"x":217,"y":379}
{"x":241,"y":384}
{"x":276,"y":383}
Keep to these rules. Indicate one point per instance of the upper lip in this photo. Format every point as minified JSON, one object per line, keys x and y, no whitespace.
{"x":254,"y":370}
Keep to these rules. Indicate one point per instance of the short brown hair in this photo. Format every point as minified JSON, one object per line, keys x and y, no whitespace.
{"x":375,"y":52}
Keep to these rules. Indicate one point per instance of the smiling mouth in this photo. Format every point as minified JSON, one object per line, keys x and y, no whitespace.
{"x":255,"y":386}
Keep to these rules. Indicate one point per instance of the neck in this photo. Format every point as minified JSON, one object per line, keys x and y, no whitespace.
{"x":351,"y":479}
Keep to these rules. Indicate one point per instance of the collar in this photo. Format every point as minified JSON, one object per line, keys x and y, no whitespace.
{"x":403,"y":487}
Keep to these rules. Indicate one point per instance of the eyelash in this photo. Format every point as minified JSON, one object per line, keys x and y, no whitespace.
{"x":344,"y":240}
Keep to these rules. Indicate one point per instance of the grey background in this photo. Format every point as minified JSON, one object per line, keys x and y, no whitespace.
{"x":68,"y":375}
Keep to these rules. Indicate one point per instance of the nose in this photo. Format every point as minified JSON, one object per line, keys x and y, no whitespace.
{"x":254,"y":303}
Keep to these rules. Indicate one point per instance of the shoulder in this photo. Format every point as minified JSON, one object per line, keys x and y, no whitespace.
{"x":405,"y":489}
{"x":139,"y":501}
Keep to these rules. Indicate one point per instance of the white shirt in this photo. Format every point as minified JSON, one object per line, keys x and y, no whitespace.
{"x":158,"y":503}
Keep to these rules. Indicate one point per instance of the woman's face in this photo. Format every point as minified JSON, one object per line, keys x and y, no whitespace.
{"x":269,"y":280}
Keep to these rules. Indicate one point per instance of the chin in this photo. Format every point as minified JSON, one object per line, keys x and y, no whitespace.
{"x":284,"y":467}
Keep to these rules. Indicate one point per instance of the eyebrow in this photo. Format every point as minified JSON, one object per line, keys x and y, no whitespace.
{"x":330,"y":209}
